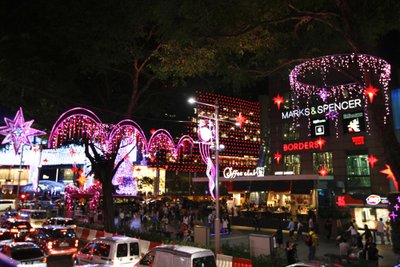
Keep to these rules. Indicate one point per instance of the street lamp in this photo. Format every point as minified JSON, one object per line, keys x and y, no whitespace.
{"x":216,"y":137}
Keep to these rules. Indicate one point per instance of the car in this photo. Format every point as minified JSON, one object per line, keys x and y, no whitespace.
{"x":7,"y":204}
{"x":18,"y":228}
{"x":177,"y":255}
{"x":9,"y":215}
{"x":55,"y":240}
{"x":314,"y":264}
{"x":62,"y":221}
{"x":25,"y":254}
{"x":5,"y":235}
{"x":111,"y":250}
{"x":35,"y":217}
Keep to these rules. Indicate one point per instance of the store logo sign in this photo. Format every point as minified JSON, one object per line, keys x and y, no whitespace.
{"x":230,"y":173}
{"x":358,"y":140}
{"x":373,"y":200}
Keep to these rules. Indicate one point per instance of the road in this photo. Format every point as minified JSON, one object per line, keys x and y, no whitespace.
{"x":60,"y":261}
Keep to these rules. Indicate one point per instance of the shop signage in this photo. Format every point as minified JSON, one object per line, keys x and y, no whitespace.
{"x":358,"y":140}
{"x":353,"y":122}
{"x":319,"y":127}
{"x":230,"y":173}
{"x":307,"y":145}
{"x":322,"y":109}
{"x":373,"y":200}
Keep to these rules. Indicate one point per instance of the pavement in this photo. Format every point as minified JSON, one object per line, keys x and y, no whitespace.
{"x":240,"y":235}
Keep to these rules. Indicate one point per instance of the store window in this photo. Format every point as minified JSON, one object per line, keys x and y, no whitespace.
{"x":292,"y":163}
{"x":289,"y":131}
{"x":323,"y":160}
{"x":358,"y":172}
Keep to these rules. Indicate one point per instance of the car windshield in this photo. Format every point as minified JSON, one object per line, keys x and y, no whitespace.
{"x":60,"y":233}
{"x":21,"y":224}
{"x":25,"y":253}
{"x":208,"y":261}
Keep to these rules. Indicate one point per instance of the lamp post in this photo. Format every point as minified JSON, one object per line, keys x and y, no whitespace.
{"x":217,"y":220}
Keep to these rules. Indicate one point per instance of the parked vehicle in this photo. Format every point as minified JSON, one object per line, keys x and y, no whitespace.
{"x":111,"y":250}
{"x":8,"y":204}
{"x":61,"y":221}
{"x":55,"y":240}
{"x":25,"y":254}
{"x":35,"y":217}
{"x":178,"y":256}
{"x":18,"y":228}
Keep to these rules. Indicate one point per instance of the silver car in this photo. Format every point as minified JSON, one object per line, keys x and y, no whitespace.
{"x":26,"y":254}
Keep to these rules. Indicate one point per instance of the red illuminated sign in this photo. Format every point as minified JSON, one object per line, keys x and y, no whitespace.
{"x":341,"y":202}
{"x":358,"y":140}
{"x":307,"y":145}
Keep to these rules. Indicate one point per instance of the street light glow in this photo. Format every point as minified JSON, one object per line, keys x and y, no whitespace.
{"x":192,"y":100}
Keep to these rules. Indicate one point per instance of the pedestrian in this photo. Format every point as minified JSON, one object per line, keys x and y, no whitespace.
{"x":291,"y":228}
{"x":312,"y":244}
{"x":344,"y":248}
{"x":328,"y":228}
{"x":373,"y":255}
{"x":279,"y":237}
{"x":380,"y":229}
{"x":291,"y":252}
{"x":310,"y":224}
{"x":224,"y":224}
{"x":299,"y":230}
{"x":353,"y":234}
{"x":388,"y":231}
{"x":367,"y":236}
{"x":256,"y":220}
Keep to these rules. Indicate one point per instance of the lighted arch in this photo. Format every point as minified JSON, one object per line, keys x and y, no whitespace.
{"x":127,"y":128}
{"x":75,"y":122}
{"x":161,"y":139}
{"x":181,"y":142}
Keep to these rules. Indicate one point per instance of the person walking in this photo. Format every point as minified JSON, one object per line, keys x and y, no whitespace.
{"x":300,"y":227}
{"x":279,"y":237}
{"x":373,"y":255}
{"x":312,"y":243}
{"x":388,"y":230}
{"x":353,"y":234}
{"x":291,"y":252}
{"x":291,"y":228}
{"x":380,"y":229}
{"x":344,"y":248}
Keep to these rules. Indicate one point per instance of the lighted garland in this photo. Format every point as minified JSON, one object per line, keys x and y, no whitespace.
{"x":365,"y":64}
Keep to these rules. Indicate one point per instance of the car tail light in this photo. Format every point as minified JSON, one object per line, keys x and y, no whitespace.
{"x":76,"y":243}
{"x":50,"y":245}
{"x":32,"y":230}
{"x":14,"y":231}
{"x":44,"y":259}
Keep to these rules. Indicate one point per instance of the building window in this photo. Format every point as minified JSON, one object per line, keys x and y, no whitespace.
{"x":323,"y":160}
{"x":292,"y":163}
{"x":289,"y":131}
{"x":358,"y":173}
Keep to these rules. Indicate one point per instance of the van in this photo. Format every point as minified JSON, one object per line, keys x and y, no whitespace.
{"x":178,"y":256}
{"x":8,"y":204}
{"x":110,"y":250}
{"x":35,"y":217}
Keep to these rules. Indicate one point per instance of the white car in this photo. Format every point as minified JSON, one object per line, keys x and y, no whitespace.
{"x":314,"y":264}
{"x":178,"y":256}
{"x":110,"y":250}
{"x":23,"y":254}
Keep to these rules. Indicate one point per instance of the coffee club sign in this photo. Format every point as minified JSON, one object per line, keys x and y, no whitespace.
{"x":231,"y":173}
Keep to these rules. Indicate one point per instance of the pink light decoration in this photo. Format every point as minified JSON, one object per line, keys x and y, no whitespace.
{"x":332,"y":115}
{"x":18,"y":131}
{"x":94,"y":190}
{"x":161,"y":140}
{"x":323,"y":172}
{"x":323,"y":94}
{"x":206,"y":137}
{"x":323,"y":65}
{"x":277,"y":157}
{"x":240,"y":119}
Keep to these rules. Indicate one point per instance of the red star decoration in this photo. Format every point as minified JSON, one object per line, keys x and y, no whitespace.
{"x":323,"y":171}
{"x":240,"y":119}
{"x":72,"y":152}
{"x":372,"y":160}
{"x":321,"y":142}
{"x":74,"y":169}
{"x":45,"y":160}
{"x":371,"y":91}
{"x":390,"y":175}
{"x":278,"y":101}
{"x":152,"y":131}
{"x":277,"y":157}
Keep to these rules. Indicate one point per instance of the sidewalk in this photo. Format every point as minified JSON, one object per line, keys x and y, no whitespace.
{"x":240,"y":234}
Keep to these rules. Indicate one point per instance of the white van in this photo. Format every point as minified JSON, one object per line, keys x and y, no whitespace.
{"x":35,"y":217}
{"x":6,"y":204}
{"x":178,"y":256}
{"x":110,"y":251}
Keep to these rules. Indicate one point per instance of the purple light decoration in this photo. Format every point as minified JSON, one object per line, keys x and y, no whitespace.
{"x":323,"y":94}
{"x":206,"y":137}
{"x":94,"y":190}
{"x":18,"y":131}
{"x":396,"y":207}
{"x":393,"y":215}
{"x":161,"y":140}
{"x":398,"y":199}
{"x":332,"y":115}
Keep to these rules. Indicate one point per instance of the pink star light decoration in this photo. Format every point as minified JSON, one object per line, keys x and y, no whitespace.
{"x":323,"y":94}
{"x":372,"y":160}
{"x":18,"y":131}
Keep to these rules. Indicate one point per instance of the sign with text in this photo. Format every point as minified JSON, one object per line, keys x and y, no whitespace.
{"x":319,"y":127}
{"x":306,"y":145}
{"x":353,"y":122}
{"x":230,"y":173}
